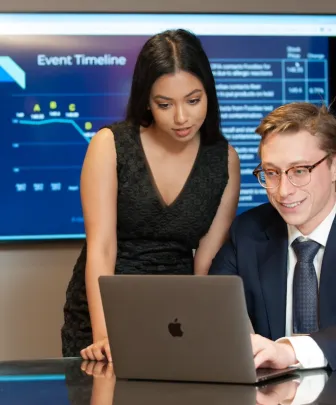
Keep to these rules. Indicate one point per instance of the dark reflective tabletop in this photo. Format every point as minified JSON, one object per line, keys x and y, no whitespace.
{"x":72,"y":381}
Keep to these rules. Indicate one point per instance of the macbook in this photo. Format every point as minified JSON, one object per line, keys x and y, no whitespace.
{"x":180,"y":328}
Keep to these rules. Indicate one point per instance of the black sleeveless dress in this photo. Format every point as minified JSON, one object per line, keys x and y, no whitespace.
{"x":152,"y":237}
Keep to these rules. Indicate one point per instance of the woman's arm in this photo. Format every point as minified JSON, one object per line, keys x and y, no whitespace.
{"x":99,"y":202}
{"x":211,"y":242}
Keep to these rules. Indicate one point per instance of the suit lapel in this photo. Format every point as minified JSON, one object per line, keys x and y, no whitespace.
{"x":327,"y":302}
{"x":272,"y":264}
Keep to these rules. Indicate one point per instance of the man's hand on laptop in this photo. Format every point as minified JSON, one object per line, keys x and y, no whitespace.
{"x":99,"y":350}
{"x":269,"y":354}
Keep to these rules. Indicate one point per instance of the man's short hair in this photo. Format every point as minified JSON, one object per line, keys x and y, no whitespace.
{"x":294,"y":117}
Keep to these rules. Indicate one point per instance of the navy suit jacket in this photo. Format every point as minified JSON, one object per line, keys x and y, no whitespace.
{"x":257,"y":251}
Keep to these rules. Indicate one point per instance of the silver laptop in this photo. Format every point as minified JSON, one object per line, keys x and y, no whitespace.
{"x":180,"y":328}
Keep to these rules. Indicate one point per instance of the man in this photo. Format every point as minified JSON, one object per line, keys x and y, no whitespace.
{"x":285,"y":250}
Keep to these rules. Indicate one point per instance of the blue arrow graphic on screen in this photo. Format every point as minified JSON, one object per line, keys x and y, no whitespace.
{"x":11,"y":72}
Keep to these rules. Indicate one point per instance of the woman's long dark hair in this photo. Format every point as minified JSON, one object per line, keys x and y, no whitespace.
{"x":169,"y":52}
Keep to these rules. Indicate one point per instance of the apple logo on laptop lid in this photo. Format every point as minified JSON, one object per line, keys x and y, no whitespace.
{"x":175,"y":328}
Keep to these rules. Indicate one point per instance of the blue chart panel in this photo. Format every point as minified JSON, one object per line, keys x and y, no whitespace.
{"x":57,"y":91}
{"x":34,"y":390}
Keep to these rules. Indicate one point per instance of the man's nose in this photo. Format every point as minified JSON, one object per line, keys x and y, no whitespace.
{"x":285,"y":187}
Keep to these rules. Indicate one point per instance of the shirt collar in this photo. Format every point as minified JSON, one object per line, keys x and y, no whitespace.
{"x":319,"y":234}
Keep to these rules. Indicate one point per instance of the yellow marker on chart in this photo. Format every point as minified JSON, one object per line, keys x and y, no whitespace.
{"x":72,"y":107}
{"x":37,"y":108}
{"x":88,"y":126}
{"x":53,"y":105}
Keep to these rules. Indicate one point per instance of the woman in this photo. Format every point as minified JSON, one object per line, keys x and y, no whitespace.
{"x":154,"y":188}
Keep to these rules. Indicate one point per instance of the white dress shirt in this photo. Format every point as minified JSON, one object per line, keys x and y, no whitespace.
{"x":308,"y":353}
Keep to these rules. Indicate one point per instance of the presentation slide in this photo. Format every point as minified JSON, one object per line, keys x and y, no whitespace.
{"x":57,"y":91}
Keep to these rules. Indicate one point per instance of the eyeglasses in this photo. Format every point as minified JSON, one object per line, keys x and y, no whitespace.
{"x":299,"y":176}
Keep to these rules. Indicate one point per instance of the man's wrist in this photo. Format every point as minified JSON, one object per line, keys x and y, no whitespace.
{"x":290,"y":352}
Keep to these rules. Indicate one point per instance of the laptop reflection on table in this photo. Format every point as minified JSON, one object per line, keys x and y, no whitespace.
{"x":179,"y":393}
